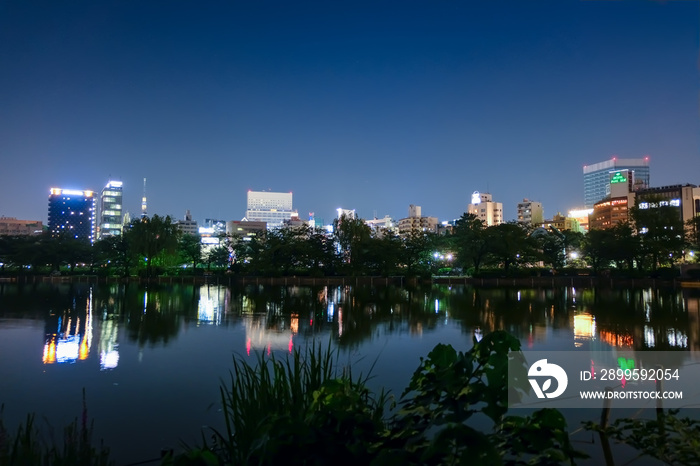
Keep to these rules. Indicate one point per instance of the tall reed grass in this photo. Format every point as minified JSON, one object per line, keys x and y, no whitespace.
{"x":306,"y":408}
{"x":29,"y":446}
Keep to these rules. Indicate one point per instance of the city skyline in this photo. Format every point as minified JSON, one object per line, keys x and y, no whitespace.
{"x":363,"y":107}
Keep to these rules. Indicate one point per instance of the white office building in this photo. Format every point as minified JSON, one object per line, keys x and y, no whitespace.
{"x":269,"y":207}
{"x":111,"y":221}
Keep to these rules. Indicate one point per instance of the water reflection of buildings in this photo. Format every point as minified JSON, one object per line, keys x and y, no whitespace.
{"x":584,"y":329}
{"x":599,"y":319}
{"x":657,"y":321}
{"x":109,"y":346}
{"x":70,"y":339}
{"x":693,"y":309}
{"x":666,"y":320}
{"x":69,"y":335}
{"x":213,"y":302}
{"x":271,"y":324}
{"x":618,"y":339}
{"x":260,"y":336}
{"x":274,"y":318}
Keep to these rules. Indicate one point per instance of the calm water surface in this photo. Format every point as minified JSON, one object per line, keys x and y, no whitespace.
{"x":151,"y":358}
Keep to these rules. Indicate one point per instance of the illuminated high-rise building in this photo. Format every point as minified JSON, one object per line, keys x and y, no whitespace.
{"x":485,"y":209}
{"x":597,"y":177}
{"x":110,"y":213}
{"x":72,"y":214}
{"x":273,"y":208}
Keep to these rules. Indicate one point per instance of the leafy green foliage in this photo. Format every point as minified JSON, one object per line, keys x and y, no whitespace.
{"x":508,"y":244}
{"x":155,"y":240}
{"x":668,"y":438}
{"x":115,"y":253}
{"x":190,"y":249}
{"x":451,"y":387}
{"x":155,"y":244}
{"x":218,"y":256}
{"x":692,"y":228}
{"x":469,"y":241}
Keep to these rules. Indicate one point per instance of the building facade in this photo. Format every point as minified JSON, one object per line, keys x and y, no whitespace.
{"x":530,"y":212}
{"x":682,"y":197}
{"x":489,"y":212}
{"x":218,"y":227}
{"x":10,"y":226}
{"x":72,"y":214}
{"x":415,"y":222}
{"x":615,"y":207}
{"x":597,"y":177}
{"x":562,"y":223}
{"x":271,"y":208}
{"x":110,"y":215}
{"x":381,"y":225}
{"x":188,"y":226}
{"x":582,"y":216}
{"x":611,"y":211}
{"x":245,"y":230}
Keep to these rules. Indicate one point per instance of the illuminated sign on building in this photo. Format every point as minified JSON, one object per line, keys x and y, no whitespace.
{"x":70,"y":192}
{"x":618,"y":178}
{"x":611,"y":202}
{"x":580,"y":213}
{"x":476,"y":198}
{"x":654,"y":205}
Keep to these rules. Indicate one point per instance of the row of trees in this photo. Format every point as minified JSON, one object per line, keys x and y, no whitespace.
{"x":150,"y":244}
{"x":153,"y":246}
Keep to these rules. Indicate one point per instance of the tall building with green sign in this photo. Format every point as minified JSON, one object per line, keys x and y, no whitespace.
{"x":598,"y":178}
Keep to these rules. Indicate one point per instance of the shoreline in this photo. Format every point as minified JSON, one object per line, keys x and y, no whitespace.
{"x":531,"y":282}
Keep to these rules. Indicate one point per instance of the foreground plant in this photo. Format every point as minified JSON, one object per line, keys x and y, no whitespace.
{"x":448,"y":389}
{"x":302,"y":408}
{"x":668,"y":438}
{"x":28,"y":447}
{"x":306,"y":411}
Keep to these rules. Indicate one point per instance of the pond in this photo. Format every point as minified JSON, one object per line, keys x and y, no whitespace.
{"x":151,"y":358}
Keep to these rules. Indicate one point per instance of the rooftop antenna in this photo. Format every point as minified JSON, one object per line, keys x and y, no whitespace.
{"x":143,"y":201}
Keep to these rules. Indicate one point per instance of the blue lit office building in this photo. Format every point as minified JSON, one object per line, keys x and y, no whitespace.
{"x":72,"y":214}
{"x":110,"y":215}
{"x":596,"y":177}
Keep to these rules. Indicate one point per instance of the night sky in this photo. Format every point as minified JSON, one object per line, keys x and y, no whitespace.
{"x":362,"y":105}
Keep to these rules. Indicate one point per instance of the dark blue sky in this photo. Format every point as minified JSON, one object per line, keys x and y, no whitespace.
{"x":365,"y":105}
